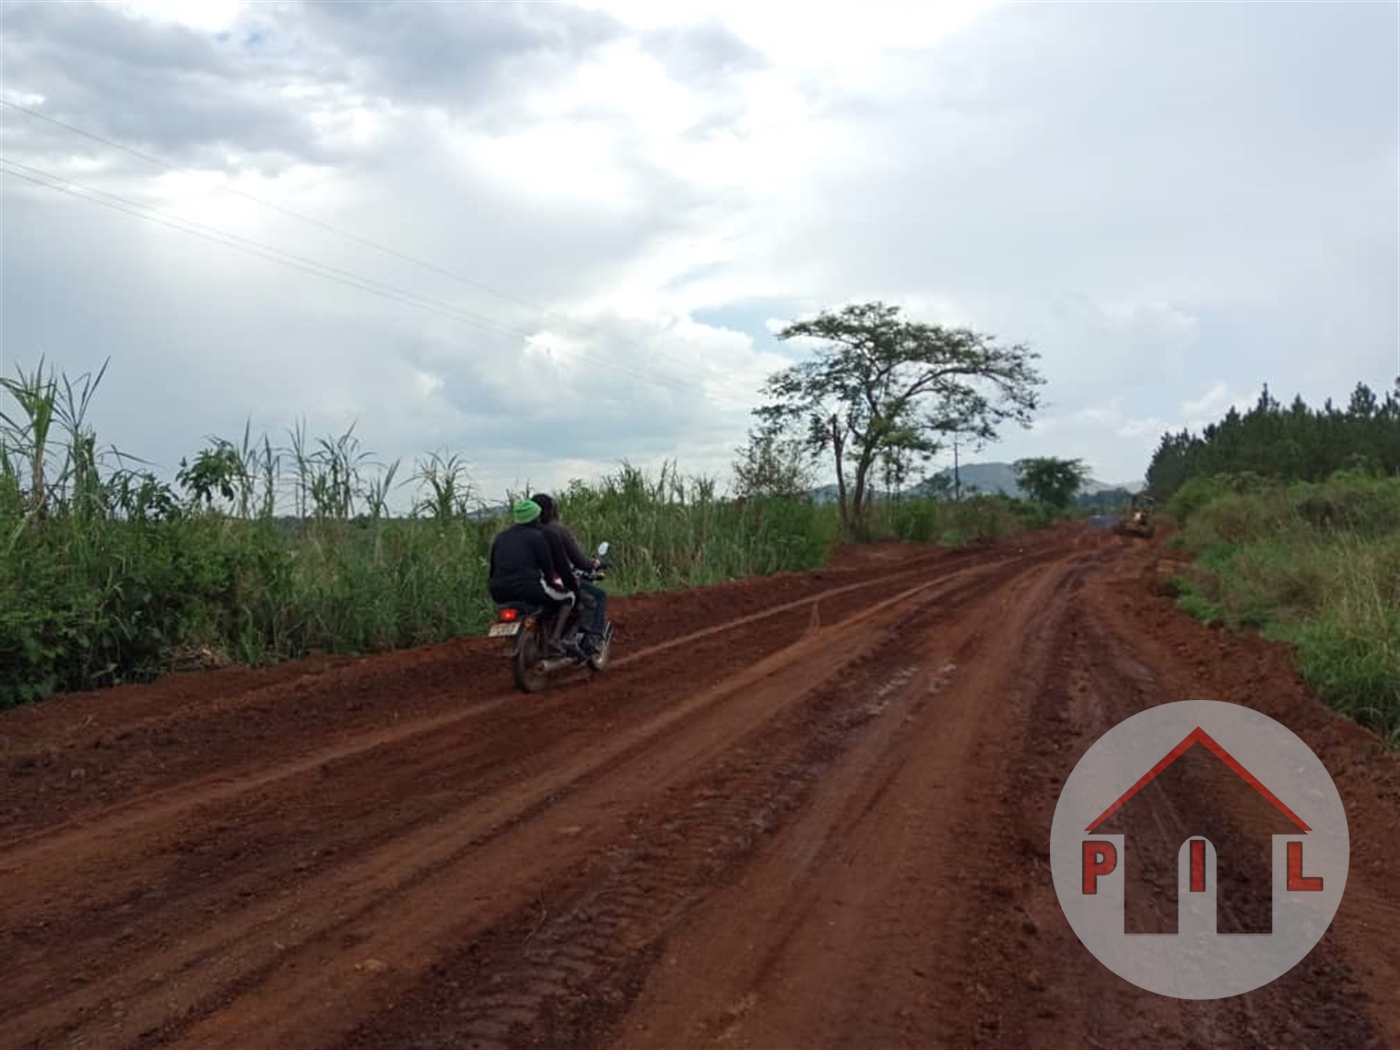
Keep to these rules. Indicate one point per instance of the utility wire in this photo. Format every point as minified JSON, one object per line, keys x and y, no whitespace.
{"x":277,"y":255}
{"x":284,"y":211}
{"x":53,"y":182}
{"x":253,"y":247}
{"x":394,"y":252}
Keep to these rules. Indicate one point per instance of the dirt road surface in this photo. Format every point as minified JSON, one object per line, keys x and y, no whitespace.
{"x":811,"y":811}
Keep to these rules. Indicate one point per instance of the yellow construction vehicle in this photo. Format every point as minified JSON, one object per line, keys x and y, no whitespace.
{"x":1136,"y":519}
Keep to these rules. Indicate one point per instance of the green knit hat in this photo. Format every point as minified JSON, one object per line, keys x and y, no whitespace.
{"x":526,"y":511}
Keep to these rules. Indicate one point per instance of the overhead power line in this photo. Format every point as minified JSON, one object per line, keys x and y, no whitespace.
{"x":329,"y":228}
{"x":406,"y":257}
{"x":269,"y":253}
{"x":228,"y":240}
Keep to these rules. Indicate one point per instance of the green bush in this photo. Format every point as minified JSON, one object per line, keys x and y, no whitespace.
{"x":109,"y":575}
{"x":1314,"y":564}
{"x":954,"y":522}
{"x":1192,"y":496}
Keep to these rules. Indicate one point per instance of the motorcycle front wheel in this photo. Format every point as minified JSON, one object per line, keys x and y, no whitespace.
{"x":599,"y":660}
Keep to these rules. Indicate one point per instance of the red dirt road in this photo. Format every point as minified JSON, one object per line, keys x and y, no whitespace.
{"x":812,"y":811}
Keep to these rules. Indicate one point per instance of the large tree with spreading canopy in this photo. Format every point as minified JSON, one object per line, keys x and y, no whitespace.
{"x":885,"y":391}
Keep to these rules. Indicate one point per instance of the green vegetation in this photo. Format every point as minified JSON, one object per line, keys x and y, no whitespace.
{"x":1053,"y":482}
{"x":1294,"y":515}
{"x":771,"y":464}
{"x":882,"y":393}
{"x":1298,"y":443}
{"x":1316,"y":564}
{"x":954,"y":523}
{"x":109,"y":574}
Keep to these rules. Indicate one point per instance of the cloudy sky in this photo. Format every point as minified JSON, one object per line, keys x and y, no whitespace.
{"x":552,"y":236}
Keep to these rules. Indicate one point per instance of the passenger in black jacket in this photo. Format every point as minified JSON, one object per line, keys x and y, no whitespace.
{"x":523,"y":568}
{"x":593,"y":598}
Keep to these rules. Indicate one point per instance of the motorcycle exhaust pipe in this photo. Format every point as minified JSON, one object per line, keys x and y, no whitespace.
{"x":557,"y":663}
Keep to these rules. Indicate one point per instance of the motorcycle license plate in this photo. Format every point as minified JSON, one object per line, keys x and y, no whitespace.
{"x":499,"y":630}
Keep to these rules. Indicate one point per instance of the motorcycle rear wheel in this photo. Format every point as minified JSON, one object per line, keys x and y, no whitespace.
{"x":527,"y":660}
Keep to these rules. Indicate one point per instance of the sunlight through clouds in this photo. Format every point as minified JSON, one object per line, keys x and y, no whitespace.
{"x":601,"y":213}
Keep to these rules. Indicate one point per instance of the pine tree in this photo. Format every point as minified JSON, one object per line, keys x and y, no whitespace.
{"x":1298,"y":443}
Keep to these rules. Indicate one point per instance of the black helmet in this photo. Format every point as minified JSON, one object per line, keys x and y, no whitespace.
{"x":547,"y":509}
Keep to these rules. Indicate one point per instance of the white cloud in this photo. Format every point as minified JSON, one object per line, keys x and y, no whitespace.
{"x":1154,"y":317}
{"x":1212,"y":403}
{"x":658,"y":188}
{"x":1211,"y":406}
{"x":205,"y":15}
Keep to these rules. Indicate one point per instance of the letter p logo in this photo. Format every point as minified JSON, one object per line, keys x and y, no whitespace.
{"x":1100,"y":858}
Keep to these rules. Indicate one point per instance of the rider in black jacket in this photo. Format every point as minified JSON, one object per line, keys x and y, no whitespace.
{"x":524,"y":567}
{"x":594,"y":599}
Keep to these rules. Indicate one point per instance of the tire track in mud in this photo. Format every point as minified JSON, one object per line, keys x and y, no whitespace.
{"x":654,"y":764}
{"x":417,"y":745}
{"x":857,"y":899}
{"x":481,"y":679}
{"x":561,"y":980}
{"x":225,"y":956}
{"x":814,"y":825}
{"x":1037,"y":986}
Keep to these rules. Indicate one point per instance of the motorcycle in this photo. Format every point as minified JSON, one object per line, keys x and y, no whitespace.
{"x":532,"y":626}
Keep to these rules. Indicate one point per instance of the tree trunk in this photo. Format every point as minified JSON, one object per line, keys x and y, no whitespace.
{"x":861,"y":500}
{"x":838,"y":445}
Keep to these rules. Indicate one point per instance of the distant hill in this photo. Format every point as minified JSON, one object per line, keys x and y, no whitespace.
{"x":1001,"y":477}
{"x":988,"y":478}
{"x":1128,"y":486}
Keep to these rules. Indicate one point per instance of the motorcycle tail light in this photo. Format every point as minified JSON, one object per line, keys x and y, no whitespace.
{"x":509,"y":615}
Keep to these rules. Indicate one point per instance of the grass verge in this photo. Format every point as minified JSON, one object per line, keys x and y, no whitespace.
{"x":255,"y":553}
{"x":1316,"y":565}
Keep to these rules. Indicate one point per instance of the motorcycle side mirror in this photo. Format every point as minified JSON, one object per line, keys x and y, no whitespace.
{"x":603,"y":548}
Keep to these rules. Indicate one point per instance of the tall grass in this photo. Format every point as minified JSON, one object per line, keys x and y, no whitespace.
{"x":971,"y":520}
{"x":259,"y":551}
{"x":1317,"y":565}
{"x":674,"y":531}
